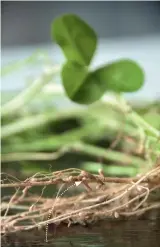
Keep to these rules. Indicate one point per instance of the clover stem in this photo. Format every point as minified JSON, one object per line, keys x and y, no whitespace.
{"x":28,"y":94}
{"x":119,"y":102}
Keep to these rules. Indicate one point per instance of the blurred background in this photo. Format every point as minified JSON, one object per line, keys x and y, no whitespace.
{"x":28,"y":23}
{"x":125,"y":29}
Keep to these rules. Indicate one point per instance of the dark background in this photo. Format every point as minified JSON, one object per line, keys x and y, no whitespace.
{"x":26,"y":23}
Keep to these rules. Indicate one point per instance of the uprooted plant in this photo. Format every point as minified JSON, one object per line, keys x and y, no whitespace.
{"x":113,"y":196}
{"x":78,"y":42}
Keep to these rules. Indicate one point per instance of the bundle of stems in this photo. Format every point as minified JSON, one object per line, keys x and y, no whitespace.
{"x":34,"y":130}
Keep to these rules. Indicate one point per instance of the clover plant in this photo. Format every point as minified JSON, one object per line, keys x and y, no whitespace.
{"x":82,"y":85}
{"x":78,"y":42}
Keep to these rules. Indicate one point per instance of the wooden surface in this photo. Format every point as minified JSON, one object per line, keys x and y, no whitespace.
{"x":130,"y":233}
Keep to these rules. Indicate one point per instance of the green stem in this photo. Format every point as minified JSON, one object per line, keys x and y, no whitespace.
{"x":108,"y":154}
{"x":35,"y":122}
{"x":80,"y":147}
{"x":27,"y":95}
{"x":16,"y":65}
{"x":111,"y":169}
{"x":119,"y":102}
{"x":45,"y":143}
{"x":142,"y":123}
